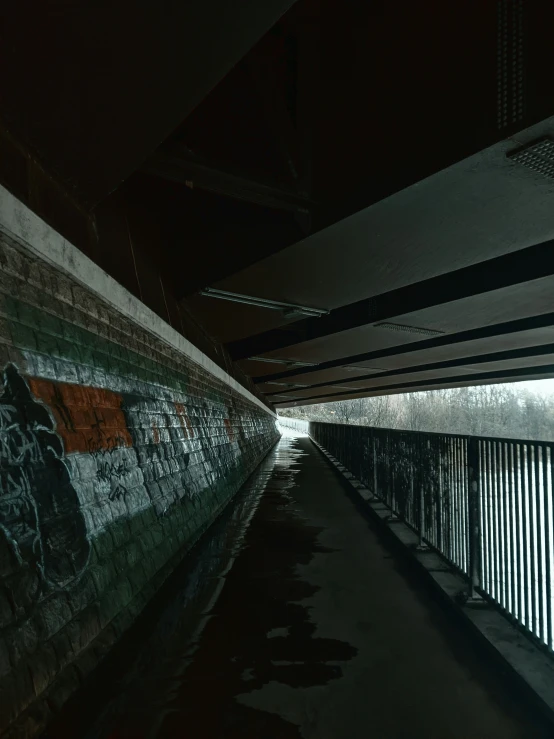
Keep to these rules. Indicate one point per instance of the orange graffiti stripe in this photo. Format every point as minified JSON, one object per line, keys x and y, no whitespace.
{"x":87,"y":418}
{"x":155,"y":432}
{"x":184,"y":420}
{"x":230,"y":430}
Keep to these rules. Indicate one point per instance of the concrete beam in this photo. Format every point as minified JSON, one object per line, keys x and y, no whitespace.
{"x":515,"y":268}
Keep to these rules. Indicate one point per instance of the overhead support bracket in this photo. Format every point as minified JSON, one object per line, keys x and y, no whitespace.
{"x":288,"y":309}
{"x":180,"y":164}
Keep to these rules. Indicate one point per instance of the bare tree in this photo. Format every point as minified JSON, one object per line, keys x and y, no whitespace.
{"x":483,"y":410}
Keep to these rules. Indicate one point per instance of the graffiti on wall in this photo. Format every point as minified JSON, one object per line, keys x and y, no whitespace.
{"x":91,"y":421}
{"x":74,"y":458}
{"x":39,"y":510}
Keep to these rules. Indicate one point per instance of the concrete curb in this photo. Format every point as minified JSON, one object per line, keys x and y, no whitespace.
{"x":524,"y":662}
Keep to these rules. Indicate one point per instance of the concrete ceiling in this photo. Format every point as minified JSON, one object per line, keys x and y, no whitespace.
{"x":485,"y":217}
{"x":344,"y":157}
{"x":483,"y":207}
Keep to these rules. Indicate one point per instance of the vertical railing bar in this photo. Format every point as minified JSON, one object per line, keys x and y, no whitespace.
{"x":410,"y":442}
{"x":483,"y":493}
{"x":366,"y":465}
{"x":473,"y":492}
{"x":507,"y":542}
{"x":431,"y":460}
{"x":454,"y":498}
{"x":454,"y":494}
{"x":500,"y":519}
{"x":447,"y":497}
{"x":466,"y":475}
{"x":519,"y":533}
{"x":422,"y":484}
{"x":462,"y":488}
{"x":437,"y":504}
{"x":548,"y":491}
{"x":499,"y":524}
{"x":415,"y":462}
{"x":374,"y":440}
{"x":387,"y":473}
{"x":498,"y":510}
{"x":490,"y":520}
{"x":511,"y":519}
{"x":448,"y":494}
{"x":494,"y":511}
{"x":484,"y":514}
{"x":532,"y":535}
{"x":456,"y":476}
{"x":393,"y":458}
{"x":444,"y":532}
{"x":539,"y":589}
{"x":525,"y":536}
{"x":524,"y":533}
{"x":462,"y":500}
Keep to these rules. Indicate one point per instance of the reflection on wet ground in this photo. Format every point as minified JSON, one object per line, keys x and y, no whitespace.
{"x":234,"y":622}
{"x":290,"y":619}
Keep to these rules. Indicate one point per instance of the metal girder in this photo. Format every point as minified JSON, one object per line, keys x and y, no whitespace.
{"x":525,"y":352}
{"x":497,"y":375}
{"x":545,"y":320}
{"x":518,"y":267}
{"x":179,"y":164}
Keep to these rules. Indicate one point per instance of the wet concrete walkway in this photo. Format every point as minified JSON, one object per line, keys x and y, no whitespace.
{"x":292,"y":619}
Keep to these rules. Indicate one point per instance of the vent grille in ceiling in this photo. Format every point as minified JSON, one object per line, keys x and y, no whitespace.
{"x":510,"y":63}
{"x":409,"y":329}
{"x":538,"y":156}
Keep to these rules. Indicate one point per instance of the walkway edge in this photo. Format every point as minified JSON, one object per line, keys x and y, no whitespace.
{"x":522,"y":660}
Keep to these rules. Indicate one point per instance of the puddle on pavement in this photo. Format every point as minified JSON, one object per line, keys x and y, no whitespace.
{"x":230,"y":620}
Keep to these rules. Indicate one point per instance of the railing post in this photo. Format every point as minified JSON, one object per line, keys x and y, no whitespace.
{"x":374,"y":467}
{"x":474,"y":511}
{"x":421,"y":546}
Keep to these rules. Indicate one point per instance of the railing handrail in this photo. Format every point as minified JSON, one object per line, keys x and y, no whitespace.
{"x":501,"y":439}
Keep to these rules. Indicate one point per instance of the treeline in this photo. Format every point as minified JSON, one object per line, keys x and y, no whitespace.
{"x":485,"y":410}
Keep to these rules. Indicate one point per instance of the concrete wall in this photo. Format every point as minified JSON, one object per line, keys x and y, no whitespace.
{"x":117,"y":450}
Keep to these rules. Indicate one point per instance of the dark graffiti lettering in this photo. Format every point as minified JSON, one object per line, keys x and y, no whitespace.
{"x":39,"y":509}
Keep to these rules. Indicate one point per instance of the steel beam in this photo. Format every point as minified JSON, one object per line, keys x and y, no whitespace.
{"x":528,"y":264}
{"x":545,"y":320}
{"x":497,"y":376}
{"x":522,"y":353}
{"x":179,"y":164}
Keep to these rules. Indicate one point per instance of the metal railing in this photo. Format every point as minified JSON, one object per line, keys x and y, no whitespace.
{"x":485,"y":504}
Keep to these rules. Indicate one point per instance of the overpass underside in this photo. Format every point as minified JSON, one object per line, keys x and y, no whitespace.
{"x":333,"y":204}
{"x":215,"y":209}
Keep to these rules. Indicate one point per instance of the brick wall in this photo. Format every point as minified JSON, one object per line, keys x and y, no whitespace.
{"x":116,"y":453}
